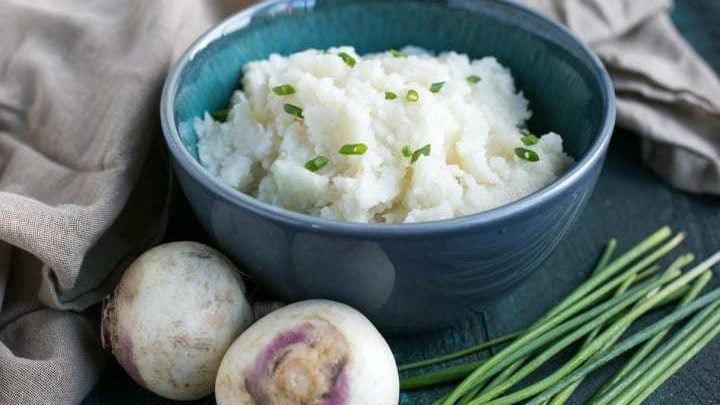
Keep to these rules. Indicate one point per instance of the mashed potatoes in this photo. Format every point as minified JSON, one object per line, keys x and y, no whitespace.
{"x":422,"y":137}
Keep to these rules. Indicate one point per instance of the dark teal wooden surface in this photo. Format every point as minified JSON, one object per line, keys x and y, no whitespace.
{"x":628,"y":202}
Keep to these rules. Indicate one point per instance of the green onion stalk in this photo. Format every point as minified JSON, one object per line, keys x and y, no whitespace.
{"x":563,"y":343}
{"x":597,"y":314}
{"x":710,"y":303}
{"x":619,"y":381}
{"x":458,"y":372}
{"x":607,"y":335}
{"x":680,"y":355}
{"x":593,"y":290}
{"x":562,"y":397}
{"x":600,"y":310}
{"x":639,"y":369}
{"x":505,"y":375}
{"x":567,"y":393}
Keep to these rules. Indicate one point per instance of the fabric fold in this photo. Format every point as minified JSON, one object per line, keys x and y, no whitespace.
{"x":84,"y":180}
{"x":665,"y":92}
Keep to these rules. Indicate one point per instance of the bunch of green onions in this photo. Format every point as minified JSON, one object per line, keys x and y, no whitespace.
{"x":591,"y":320}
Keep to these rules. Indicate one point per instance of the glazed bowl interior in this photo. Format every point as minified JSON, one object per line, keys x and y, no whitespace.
{"x":554,"y":73}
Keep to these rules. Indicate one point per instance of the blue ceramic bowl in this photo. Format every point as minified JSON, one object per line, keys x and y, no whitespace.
{"x":404,"y":277}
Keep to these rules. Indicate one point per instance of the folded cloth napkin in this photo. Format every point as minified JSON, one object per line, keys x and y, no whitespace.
{"x":79,"y":89}
{"x":665,"y":91}
{"x":80,"y":86}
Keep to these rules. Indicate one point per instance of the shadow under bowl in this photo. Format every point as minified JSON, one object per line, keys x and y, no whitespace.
{"x":405,"y":277}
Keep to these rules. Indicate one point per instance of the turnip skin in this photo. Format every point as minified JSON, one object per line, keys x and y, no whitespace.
{"x":173,"y":315}
{"x":360,"y":361}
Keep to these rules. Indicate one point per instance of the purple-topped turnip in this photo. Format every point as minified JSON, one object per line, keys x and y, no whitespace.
{"x":311,"y":352}
{"x":173,"y":315}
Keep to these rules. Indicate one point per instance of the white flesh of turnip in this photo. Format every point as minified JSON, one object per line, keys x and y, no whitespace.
{"x":173,"y":315}
{"x":313,"y":352}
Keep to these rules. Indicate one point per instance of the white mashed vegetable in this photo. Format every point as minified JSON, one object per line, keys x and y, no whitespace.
{"x":472,"y":124}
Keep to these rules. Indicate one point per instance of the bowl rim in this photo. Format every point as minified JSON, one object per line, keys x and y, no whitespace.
{"x":237,"y":21}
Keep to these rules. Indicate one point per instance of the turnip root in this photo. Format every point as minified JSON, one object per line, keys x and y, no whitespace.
{"x":311,"y":352}
{"x":173,"y":315}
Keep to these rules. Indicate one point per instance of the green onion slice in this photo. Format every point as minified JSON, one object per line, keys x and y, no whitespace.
{"x":527,"y":154}
{"x":220,"y":115}
{"x":283,"y":90}
{"x":353,"y":149}
{"x":406,"y":151}
{"x":412,"y":95}
{"x":529,"y":139}
{"x":294,"y":110}
{"x":435,"y":87}
{"x":396,"y":54}
{"x":389,"y":95}
{"x":474,"y":79}
{"x":349,"y":60}
{"x":424,"y":151}
{"x":316,"y":163}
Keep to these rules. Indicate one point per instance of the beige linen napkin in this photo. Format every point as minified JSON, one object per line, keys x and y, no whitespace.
{"x":79,"y":90}
{"x":80,"y":84}
{"x":665,"y":91}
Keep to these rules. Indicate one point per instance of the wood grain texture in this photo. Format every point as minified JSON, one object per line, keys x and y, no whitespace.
{"x":628,"y":203}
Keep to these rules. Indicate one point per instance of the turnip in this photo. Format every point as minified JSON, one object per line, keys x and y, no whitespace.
{"x":311,"y":352}
{"x":173,"y":315}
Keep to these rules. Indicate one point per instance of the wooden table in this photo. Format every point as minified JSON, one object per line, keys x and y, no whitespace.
{"x":628,"y":203}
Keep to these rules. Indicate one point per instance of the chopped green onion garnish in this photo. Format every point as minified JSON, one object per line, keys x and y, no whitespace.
{"x":316,"y":163}
{"x":349,"y":60}
{"x":283,"y":90}
{"x":424,"y":151}
{"x":527,"y":154}
{"x":353,"y":149}
{"x":529,"y":139}
{"x":396,"y":54}
{"x":389,"y":95}
{"x":435,"y":87}
{"x":406,"y":151}
{"x":220,"y":115}
{"x":415,"y":156}
{"x":412,"y":95}
{"x":294,"y":110}
{"x":474,"y":79}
